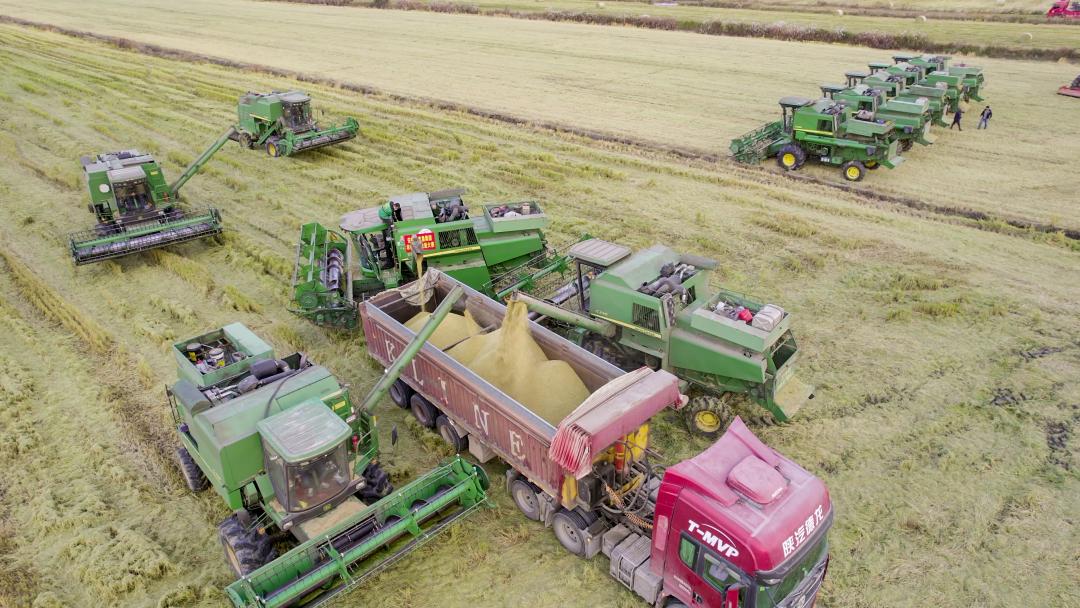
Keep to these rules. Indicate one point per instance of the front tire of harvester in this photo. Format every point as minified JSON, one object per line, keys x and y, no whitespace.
{"x":193,"y":476}
{"x":853,"y":171}
{"x":569,"y":528}
{"x":377,"y":484}
{"x":450,"y":435}
{"x":400,"y":393}
{"x":424,"y":412}
{"x":906,"y":145}
{"x":790,"y":157}
{"x":245,"y":550}
{"x":524,"y":495}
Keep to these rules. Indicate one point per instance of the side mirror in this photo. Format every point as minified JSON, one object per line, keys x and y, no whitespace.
{"x":731,"y":596}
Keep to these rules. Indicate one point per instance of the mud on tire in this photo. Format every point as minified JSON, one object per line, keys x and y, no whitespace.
{"x":245,"y":550}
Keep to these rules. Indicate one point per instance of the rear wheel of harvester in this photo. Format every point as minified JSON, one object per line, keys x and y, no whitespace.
{"x":273,"y":148}
{"x":524,"y":495}
{"x":400,"y":393}
{"x":424,"y":412}
{"x":707,"y":415}
{"x":906,"y":145}
{"x":790,"y":157}
{"x":193,"y":476}
{"x":569,"y":527}
{"x":245,"y":550}
{"x":450,"y":434}
{"x":853,"y":170}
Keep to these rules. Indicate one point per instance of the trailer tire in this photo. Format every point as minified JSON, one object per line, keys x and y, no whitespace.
{"x":424,"y":412}
{"x":193,"y":476}
{"x":245,"y":550}
{"x":524,"y":495}
{"x":569,"y":528}
{"x":400,"y":393}
{"x":790,"y":157}
{"x":853,"y":171}
{"x":450,"y":434}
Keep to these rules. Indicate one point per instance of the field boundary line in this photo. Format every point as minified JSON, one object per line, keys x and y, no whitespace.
{"x":778,"y":30}
{"x":976,"y":219}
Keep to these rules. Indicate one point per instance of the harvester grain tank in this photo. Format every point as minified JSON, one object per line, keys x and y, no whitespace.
{"x":655,"y":307}
{"x":500,"y":249}
{"x":737,"y":525}
{"x":290,"y":454}
{"x":282,"y":124}
{"x":822,"y":130}
{"x":1071,"y":90}
{"x":136,"y":209}
{"x":912,"y":119}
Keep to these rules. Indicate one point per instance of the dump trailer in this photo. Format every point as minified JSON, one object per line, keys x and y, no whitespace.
{"x":823,"y":130}
{"x":282,"y":124}
{"x":292,"y":456}
{"x":912,"y":119}
{"x":498,"y":250}
{"x":1071,"y":90}
{"x":738,"y":525}
{"x":655,"y":307}
{"x":136,"y":209}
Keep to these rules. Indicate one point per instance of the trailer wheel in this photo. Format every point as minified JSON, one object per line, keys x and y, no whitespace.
{"x":450,"y":434}
{"x":245,"y":550}
{"x":569,"y":528}
{"x":790,"y":157}
{"x":524,"y":495}
{"x":853,"y":171}
{"x":194,"y":477}
{"x":400,"y":393}
{"x":424,"y":412}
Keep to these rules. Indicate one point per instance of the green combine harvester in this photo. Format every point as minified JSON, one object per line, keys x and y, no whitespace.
{"x":282,"y":124}
{"x":891,"y":86}
{"x":656,"y":308}
{"x":136,"y":209}
{"x":296,"y":461}
{"x":912,"y":119}
{"x":497,"y":251}
{"x":824,"y":130}
{"x":971,"y":76}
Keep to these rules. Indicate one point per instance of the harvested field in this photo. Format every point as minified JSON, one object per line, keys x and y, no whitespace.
{"x":668,"y":88}
{"x":947,"y":356}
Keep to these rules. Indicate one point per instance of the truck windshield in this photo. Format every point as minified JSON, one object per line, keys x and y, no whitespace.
{"x":801,"y":582}
{"x":315,"y":481}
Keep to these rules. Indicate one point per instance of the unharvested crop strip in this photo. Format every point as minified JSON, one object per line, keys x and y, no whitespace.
{"x":980,"y":220}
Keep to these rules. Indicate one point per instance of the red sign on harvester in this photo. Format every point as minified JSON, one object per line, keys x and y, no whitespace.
{"x":427,"y":240}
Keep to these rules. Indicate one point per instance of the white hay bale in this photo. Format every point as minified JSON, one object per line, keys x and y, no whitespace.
{"x":1028,"y":37}
{"x":600,"y":5}
{"x":922,"y":18}
{"x":840,"y":11}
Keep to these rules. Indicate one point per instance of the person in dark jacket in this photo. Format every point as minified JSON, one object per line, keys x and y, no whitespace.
{"x":984,"y":118}
{"x":956,"y":119}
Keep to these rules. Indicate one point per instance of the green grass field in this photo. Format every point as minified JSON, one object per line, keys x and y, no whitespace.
{"x":670,"y":88}
{"x":1020,"y":36}
{"x":946,"y":355}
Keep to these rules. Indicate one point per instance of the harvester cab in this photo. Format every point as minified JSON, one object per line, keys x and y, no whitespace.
{"x":655,"y":307}
{"x":291,"y":455}
{"x":283,"y":124}
{"x":496,"y":249}
{"x":136,"y":209}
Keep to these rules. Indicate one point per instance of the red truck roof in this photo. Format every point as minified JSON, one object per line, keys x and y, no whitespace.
{"x":763,"y":506}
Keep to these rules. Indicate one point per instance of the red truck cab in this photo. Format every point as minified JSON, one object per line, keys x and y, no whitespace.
{"x":1066,"y":9}
{"x":740,"y":525}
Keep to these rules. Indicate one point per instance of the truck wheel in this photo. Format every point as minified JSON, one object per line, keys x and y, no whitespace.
{"x":424,"y":412}
{"x":790,"y":157}
{"x":450,"y":434}
{"x":400,"y":393}
{"x":524,"y":495}
{"x":245,"y":550}
{"x":194,"y":477}
{"x":569,"y":528}
{"x":853,"y":170}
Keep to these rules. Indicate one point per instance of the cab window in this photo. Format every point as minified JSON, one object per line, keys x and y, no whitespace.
{"x":688,"y":552}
